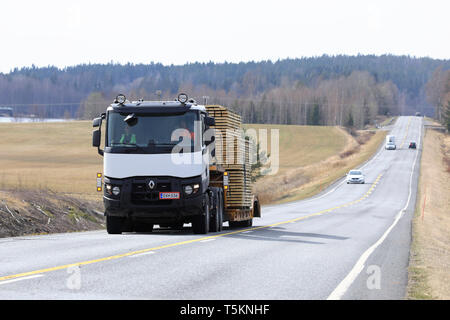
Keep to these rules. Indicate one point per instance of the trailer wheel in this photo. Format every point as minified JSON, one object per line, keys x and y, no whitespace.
{"x":200,"y":223}
{"x":114,"y":225}
{"x":241,"y":224}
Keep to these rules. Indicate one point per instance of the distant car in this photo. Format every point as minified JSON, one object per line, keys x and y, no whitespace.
{"x":412,"y":145}
{"x":390,"y":146}
{"x":355,"y":176}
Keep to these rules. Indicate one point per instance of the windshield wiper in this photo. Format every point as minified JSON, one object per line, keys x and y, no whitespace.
{"x":130,"y":147}
{"x":164,"y":144}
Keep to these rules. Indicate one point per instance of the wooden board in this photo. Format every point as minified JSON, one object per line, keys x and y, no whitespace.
{"x":235,"y":159}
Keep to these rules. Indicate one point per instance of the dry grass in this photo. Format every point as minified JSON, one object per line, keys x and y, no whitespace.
{"x":311,"y":158}
{"x":42,"y":212}
{"x":429,"y":276}
{"x":302,"y":145}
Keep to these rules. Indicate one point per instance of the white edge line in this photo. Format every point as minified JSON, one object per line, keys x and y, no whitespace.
{"x":22,"y":278}
{"x":359,"y":266}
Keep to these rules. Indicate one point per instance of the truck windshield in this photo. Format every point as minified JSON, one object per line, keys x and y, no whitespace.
{"x":152,"y":133}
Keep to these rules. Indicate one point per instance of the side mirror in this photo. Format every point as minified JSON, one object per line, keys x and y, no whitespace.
{"x":96,"y":140}
{"x":131,"y":119}
{"x":213,"y":138}
{"x":97,"y":122}
{"x":96,"y":136}
{"x":210,"y":121}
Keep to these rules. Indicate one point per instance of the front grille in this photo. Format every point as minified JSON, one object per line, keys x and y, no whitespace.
{"x":141,"y":194}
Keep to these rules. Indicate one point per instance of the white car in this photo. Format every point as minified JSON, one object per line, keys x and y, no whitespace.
{"x":355,"y":176}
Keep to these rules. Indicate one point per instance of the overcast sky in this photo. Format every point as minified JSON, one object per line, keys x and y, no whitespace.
{"x":64,"y":33}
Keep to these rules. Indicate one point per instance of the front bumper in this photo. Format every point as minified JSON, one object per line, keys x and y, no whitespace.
{"x":137,"y":200}
{"x":355,"y":181}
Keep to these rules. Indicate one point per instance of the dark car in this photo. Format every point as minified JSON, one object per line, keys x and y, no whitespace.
{"x":412,"y":145}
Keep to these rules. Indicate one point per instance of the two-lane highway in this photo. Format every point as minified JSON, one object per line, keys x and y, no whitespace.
{"x":350,"y":242}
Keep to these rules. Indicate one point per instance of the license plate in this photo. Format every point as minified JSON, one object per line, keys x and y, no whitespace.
{"x":169,"y":195}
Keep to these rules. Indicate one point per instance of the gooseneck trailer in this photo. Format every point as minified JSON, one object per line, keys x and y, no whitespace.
{"x":161,"y":166}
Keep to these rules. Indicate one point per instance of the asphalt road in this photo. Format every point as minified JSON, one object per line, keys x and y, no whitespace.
{"x":350,"y":242}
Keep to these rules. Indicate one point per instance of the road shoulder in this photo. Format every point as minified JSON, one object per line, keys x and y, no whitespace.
{"x":429,"y":257}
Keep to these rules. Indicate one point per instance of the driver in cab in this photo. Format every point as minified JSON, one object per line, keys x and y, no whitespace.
{"x":128,"y":137}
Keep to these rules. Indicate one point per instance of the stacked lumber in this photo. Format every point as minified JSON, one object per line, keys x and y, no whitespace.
{"x":233,"y":154}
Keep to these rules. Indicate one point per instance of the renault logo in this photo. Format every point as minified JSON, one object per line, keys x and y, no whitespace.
{"x":151,"y":184}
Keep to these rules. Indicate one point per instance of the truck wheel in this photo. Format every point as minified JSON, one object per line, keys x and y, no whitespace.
{"x":215,"y":221}
{"x":220,"y":212}
{"x":114,"y":225}
{"x":234,"y":224}
{"x":127,"y":225}
{"x":200,"y":223}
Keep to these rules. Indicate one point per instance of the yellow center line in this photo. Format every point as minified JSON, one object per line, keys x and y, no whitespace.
{"x":118,"y":256}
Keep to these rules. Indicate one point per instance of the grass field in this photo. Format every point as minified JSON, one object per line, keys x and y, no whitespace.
{"x":53,"y":156}
{"x":59,"y":157}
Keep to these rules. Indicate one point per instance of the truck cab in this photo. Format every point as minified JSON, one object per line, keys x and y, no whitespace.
{"x":156,"y":165}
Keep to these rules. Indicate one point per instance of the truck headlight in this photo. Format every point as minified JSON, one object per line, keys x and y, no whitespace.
{"x":188,"y":189}
{"x":116,"y":191}
{"x":108,"y":188}
{"x":196,"y":187}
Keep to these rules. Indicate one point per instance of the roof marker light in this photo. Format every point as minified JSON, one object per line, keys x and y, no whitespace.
{"x":183,"y":98}
{"x":120,"y":99}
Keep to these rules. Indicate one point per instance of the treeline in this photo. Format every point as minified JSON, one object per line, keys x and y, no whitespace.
{"x":354,"y":100}
{"x":438,"y":95}
{"x":317,"y":90}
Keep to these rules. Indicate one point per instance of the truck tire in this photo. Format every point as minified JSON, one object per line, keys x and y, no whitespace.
{"x":114,"y":225}
{"x":200,"y":223}
{"x":216,"y":216}
{"x":234,"y":224}
{"x":221,"y":212}
{"x":127,"y":225}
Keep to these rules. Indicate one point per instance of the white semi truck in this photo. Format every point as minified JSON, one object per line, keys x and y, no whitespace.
{"x":157,"y":169}
{"x":390,"y":143}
